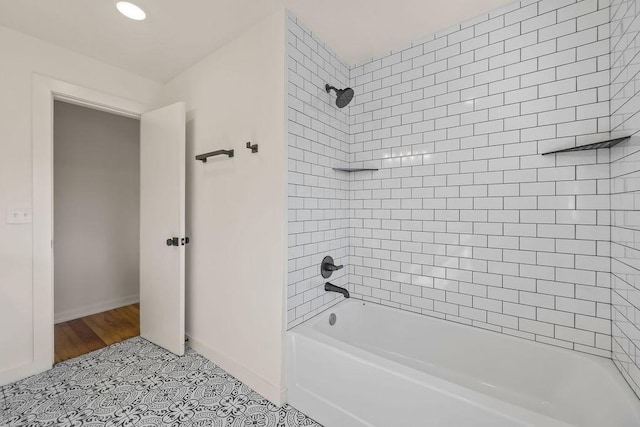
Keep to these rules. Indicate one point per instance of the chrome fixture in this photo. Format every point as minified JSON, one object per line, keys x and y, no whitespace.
{"x":332,"y":319}
{"x":328,"y":267}
{"x":330,"y":287}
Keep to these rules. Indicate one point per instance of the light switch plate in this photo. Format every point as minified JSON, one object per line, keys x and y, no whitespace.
{"x":19,"y":216}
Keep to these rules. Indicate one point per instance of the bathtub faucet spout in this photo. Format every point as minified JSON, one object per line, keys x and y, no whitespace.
{"x":330,"y":287}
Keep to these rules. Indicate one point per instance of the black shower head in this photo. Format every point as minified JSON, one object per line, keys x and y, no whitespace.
{"x":344,"y":96}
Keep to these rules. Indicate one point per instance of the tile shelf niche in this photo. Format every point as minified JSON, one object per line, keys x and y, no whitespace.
{"x":354,"y":169}
{"x":595,"y":146}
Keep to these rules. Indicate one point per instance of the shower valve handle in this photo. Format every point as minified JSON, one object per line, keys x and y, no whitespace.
{"x":328,"y":267}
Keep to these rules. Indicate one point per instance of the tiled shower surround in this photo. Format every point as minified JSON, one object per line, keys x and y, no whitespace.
{"x":318,"y":197}
{"x":465,"y":219}
{"x":625,"y":187}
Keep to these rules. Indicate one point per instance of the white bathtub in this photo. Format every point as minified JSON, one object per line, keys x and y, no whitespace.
{"x":379,"y":366}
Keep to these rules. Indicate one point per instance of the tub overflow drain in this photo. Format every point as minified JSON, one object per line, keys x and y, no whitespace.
{"x":332,"y":319}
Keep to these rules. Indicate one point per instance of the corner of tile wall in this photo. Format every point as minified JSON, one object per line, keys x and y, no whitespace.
{"x":624,"y":179}
{"x":318,"y":196}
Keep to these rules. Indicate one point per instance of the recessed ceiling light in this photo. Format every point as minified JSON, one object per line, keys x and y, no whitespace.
{"x":131,"y":10}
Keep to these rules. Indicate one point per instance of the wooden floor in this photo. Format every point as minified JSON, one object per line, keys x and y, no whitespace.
{"x":86,"y":334}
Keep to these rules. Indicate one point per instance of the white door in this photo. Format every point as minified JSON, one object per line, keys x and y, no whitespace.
{"x":162,"y":229}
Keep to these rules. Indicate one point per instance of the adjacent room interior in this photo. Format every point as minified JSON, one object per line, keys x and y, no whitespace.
{"x":96,"y":229}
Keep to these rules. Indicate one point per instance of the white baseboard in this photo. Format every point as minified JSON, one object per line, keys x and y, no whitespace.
{"x":271,"y":392}
{"x":88,"y":310}
{"x":19,"y":372}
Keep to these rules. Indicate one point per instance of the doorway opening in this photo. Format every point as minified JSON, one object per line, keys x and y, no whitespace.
{"x":162,"y":214}
{"x":96,"y":228}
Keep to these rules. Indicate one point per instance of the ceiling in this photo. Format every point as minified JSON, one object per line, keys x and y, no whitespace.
{"x":358,"y":30}
{"x":177,"y":33}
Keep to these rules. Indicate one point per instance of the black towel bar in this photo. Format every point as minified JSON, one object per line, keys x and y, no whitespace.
{"x":204,"y":157}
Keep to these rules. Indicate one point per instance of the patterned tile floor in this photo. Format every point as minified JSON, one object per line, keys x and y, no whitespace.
{"x":136,"y":383}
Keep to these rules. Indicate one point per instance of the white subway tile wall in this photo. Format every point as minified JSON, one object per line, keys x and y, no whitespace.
{"x":318,"y":196}
{"x":465,"y":219}
{"x":625,"y":187}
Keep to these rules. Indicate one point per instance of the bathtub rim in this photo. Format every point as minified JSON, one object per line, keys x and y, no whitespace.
{"x":475,"y":398}
{"x":307,"y":325}
{"x":307,"y":330}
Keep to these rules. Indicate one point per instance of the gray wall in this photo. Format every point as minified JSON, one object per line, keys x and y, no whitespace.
{"x":96,"y":213}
